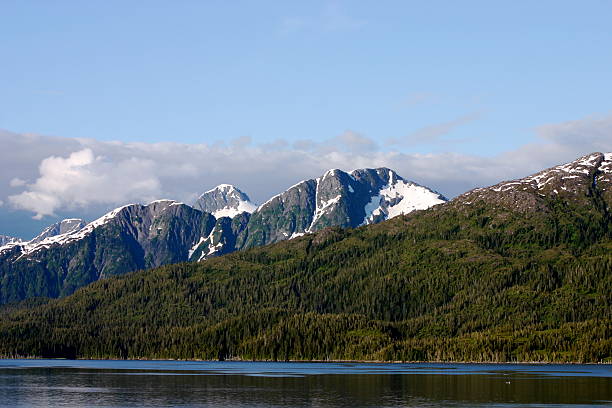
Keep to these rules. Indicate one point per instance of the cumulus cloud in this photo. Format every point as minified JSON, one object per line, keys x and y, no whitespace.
{"x":17,"y":182}
{"x":74,"y":174}
{"x":594,"y":131}
{"x":81,"y":179}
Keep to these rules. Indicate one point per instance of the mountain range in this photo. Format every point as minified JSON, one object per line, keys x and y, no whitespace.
{"x":5,"y":239}
{"x":519,"y":271}
{"x":71,"y":254}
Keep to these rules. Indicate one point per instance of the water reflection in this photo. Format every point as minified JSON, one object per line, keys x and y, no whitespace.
{"x":157,"y":384}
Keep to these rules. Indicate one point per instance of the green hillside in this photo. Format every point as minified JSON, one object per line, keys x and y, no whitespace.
{"x":475,"y":281}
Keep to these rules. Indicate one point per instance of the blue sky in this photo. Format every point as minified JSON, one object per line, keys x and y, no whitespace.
{"x":195,"y":71}
{"x":472,"y":78}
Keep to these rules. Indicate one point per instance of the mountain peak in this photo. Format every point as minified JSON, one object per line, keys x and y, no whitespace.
{"x":337,"y":198}
{"x":225,"y":188}
{"x":573,"y":179}
{"x":66,"y":226}
{"x":397,"y":196}
{"x":563,"y":176}
{"x":225,"y":200}
{"x":5,"y":239}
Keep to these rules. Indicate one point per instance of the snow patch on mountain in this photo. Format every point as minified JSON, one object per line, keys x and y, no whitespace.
{"x":606,"y":164}
{"x":572,"y":170}
{"x":195,"y":247}
{"x":66,"y":226}
{"x":605,"y":169}
{"x":225,"y":200}
{"x":71,"y":235}
{"x":5,"y":239}
{"x":399,"y":197}
{"x":243,"y":206}
{"x":166,"y":201}
{"x":322,"y":208}
{"x":573,"y":177}
{"x":212,"y":247}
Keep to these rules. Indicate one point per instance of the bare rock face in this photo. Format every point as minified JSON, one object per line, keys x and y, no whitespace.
{"x":337,"y":198}
{"x":225,"y":200}
{"x":603,"y":179}
{"x":71,"y":254}
{"x":577,"y":181}
{"x":63,"y":227}
{"x":222,"y":238}
{"x":5,"y":239}
{"x":126,"y":239}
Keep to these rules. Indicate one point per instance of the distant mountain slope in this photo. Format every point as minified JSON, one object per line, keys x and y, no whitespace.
{"x":126,"y":239}
{"x":336,"y":199}
{"x":577,"y":181}
{"x":66,"y":226}
{"x":225,"y":200}
{"x":70,"y":254}
{"x":5,"y":239}
{"x":512,"y":272}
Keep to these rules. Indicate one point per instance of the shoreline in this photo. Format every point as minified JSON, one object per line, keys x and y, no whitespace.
{"x":313,"y":361}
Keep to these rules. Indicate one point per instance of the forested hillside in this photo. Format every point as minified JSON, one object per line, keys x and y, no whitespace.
{"x":482,"y":278}
{"x":71,"y":254}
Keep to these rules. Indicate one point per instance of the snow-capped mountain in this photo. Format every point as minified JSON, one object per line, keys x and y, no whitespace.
{"x":66,"y":226}
{"x":71,"y":254}
{"x":5,"y":239}
{"x":399,"y":197}
{"x":128,"y":238}
{"x":221,"y":239}
{"x":225,"y":200}
{"x":337,"y":198}
{"x":577,"y":180}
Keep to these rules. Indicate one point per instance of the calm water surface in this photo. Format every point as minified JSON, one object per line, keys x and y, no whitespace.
{"x":63,"y":383}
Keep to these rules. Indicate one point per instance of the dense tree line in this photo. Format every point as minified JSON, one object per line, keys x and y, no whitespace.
{"x":473,"y":283}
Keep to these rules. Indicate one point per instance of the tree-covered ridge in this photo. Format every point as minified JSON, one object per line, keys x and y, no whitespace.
{"x":476,"y":281}
{"x":131,"y":238}
{"x":70,"y":255}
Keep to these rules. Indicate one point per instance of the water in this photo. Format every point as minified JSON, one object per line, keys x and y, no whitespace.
{"x":81,"y":383}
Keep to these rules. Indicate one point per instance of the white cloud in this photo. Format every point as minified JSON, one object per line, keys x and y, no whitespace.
{"x":595,"y":132}
{"x":17,"y":182}
{"x":74,"y":174}
{"x":82,"y":179}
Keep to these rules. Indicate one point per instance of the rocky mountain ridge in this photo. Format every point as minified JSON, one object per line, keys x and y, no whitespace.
{"x":577,"y":180}
{"x":225,"y":200}
{"x":5,"y":239}
{"x":483,"y":278}
{"x":70,"y":254}
{"x":337,"y":198}
{"x":66,"y":226}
